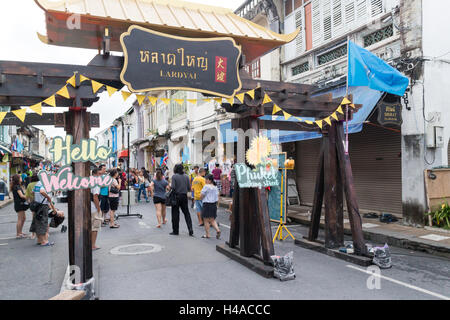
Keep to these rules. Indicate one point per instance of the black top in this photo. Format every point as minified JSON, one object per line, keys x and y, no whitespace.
{"x":17,"y":199}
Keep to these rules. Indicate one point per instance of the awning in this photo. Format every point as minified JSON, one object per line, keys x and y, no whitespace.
{"x":168,"y":16}
{"x":123,"y":153}
{"x":361,"y":95}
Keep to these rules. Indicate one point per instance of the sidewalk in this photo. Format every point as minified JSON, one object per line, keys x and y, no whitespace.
{"x":430,"y":240}
{"x":7,"y":201}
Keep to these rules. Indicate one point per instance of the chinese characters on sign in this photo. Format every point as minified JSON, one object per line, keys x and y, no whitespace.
{"x":158,"y":61}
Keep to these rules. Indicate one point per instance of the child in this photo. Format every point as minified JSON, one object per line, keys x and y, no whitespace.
{"x":210,"y":197}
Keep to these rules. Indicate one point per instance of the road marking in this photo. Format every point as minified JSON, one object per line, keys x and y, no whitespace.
{"x":401,"y":283}
{"x":224,"y":225}
{"x":434,"y":237}
{"x":10,"y":238}
{"x":370,"y":225}
{"x":3,"y":244}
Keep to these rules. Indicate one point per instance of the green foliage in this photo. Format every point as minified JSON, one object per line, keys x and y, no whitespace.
{"x":441,"y":217}
{"x":187,"y":167}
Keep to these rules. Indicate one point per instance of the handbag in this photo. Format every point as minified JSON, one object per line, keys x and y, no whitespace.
{"x":171,"y":198}
{"x":56,"y":221}
{"x":114,"y":190}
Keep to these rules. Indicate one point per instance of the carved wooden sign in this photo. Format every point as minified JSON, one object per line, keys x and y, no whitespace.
{"x":158,"y":61}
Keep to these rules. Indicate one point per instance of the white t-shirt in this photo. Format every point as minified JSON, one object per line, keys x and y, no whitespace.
{"x":38,"y":197}
{"x":94,"y":191}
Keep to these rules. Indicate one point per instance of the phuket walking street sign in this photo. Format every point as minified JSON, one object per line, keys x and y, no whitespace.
{"x":158,"y":61}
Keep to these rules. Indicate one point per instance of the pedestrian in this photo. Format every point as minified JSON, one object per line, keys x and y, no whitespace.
{"x":158,"y":188}
{"x":181,"y":186}
{"x":114,"y":191}
{"x":210,"y":197}
{"x":217,"y":174}
{"x":43,"y":202}
{"x":29,"y":193}
{"x":197,"y":186}
{"x":96,"y":212}
{"x":141,"y":181}
{"x":192,"y":176}
{"x":104,"y":195}
{"x":232,"y":178}
{"x":20,"y":204}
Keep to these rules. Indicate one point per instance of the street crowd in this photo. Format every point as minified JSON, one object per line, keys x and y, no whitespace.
{"x":204,"y":184}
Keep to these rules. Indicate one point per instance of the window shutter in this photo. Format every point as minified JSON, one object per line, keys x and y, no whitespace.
{"x":376,"y":7}
{"x":299,"y":23}
{"x":316,"y":22}
{"x":337,"y":18}
{"x":326,"y":12}
{"x":349,"y":12}
{"x":361,"y":11}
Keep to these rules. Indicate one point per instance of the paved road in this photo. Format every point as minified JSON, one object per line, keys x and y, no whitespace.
{"x":191,"y":268}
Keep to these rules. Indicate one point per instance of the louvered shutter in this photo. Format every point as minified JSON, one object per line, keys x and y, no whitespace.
{"x":326,"y":14}
{"x":338,"y":25}
{"x":361,"y":11}
{"x":349,"y":10}
{"x":299,"y":23}
{"x":316,"y":23}
{"x":376,"y":7}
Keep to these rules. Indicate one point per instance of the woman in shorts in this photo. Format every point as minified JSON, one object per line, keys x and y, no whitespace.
{"x":158,"y":188}
{"x":114,"y":192}
{"x":210,"y":197}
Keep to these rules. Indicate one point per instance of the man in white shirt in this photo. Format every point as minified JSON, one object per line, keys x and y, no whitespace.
{"x":96,"y":212}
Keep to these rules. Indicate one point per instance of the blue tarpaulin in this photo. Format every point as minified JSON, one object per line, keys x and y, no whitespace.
{"x":365,"y":96}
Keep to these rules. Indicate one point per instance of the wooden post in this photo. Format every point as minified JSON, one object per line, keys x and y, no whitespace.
{"x":318,"y":198}
{"x":350,"y":195}
{"x":234,"y":228}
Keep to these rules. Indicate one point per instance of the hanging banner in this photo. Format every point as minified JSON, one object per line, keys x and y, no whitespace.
{"x":158,"y":61}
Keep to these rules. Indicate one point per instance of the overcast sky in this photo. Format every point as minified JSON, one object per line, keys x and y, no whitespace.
{"x":19,"y":22}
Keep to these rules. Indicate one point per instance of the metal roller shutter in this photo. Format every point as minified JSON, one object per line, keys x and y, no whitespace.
{"x":376,"y":164}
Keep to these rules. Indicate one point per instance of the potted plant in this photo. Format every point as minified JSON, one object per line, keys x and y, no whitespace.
{"x":441,"y":217}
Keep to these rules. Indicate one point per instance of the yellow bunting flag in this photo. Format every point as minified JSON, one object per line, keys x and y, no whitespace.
{"x":37,"y":108}
{"x":319,"y":123}
{"x":71,"y":81}
{"x":153,"y":100}
{"x":207,"y":100}
{"x":111,"y":90}
{"x":51,"y":101}
{"x":309,"y":122}
{"x":299,"y":119}
{"x":352,"y":105}
{"x":327,"y":120}
{"x":179,"y":101}
{"x":125,"y":95}
{"x":165,"y":100}
{"x":340,"y":110}
{"x":2,"y":116}
{"x":286,"y":115}
{"x":193,"y":101}
{"x":20,"y":114}
{"x":276,"y":109}
{"x":64,"y":92}
{"x":334,"y":115}
{"x":251,"y":93}
{"x":218,"y":100}
{"x":140,"y":98}
{"x":266,"y":99}
{"x":96,"y":86}
{"x":230,"y":100}
{"x":346,"y":101}
{"x":240,"y":97}
{"x":83,"y":78}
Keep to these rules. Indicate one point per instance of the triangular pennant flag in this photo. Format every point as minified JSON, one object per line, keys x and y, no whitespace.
{"x":179,"y":101}
{"x":231,"y":100}
{"x":165,"y":100}
{"x":251,"y":93}
{"x":71,"y":81}
{"x":153,"y":100}
{"x":266,"y":99}
{"x":327,"y":120}
{"x":140,"y":98}
{"x":37,"y":108}
{"x":340,"y":110}
{"x":319,"y":123}
{"x":2,"y":116}
{"x":193,"y":101}
{"x":218,"y":100}
{"x":111,"y":90}
{"x":63,"y":92}
{"x":83,"y":78}
{"x":125,"y":95}
{"x":334,"y":115}
{"x":20,"y":114}
{"x":299,"y":119}
{"x":51,"y":101}
{"x":346,"y":101}
{"x":309,"y":122}
{"x":240,"y":97}
{"x":207,"y":100}
{"x":276,"y":109}
{"x":352,"y":105}
{"x":286,"y":115}
{"x":96,"y":86}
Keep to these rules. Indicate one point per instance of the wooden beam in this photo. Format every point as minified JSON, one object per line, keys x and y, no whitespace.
{"x":47,"y":119}
{"x":318,"y":197}
{"x":29,"y":101}
{"x":287,"y":125}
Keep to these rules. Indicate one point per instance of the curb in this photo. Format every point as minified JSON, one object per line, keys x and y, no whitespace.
{"x":397,"y":241}
{"x":6,"y":202}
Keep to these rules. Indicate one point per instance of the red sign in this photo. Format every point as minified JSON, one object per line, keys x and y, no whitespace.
{"x":221,"y":69}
